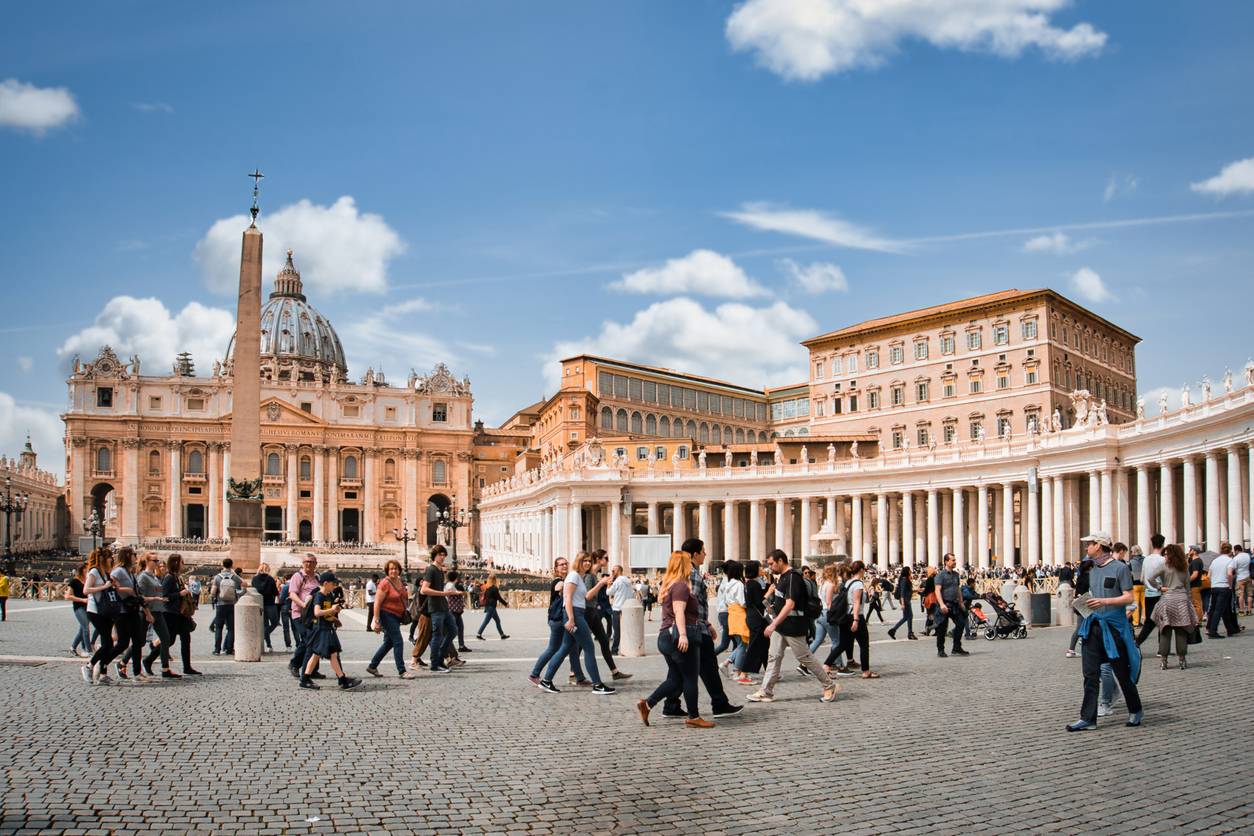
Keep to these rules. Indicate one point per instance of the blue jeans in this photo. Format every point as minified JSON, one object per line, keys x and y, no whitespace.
{"x":224,"y":619}
{"x":907,"y":618}
{"x":489,"y":616}
{"x":82,"y":638}
{"x":1108,"y":684}
{"x":724,"y":636}
{"x":392,"y":640}
{"x":270,"y":617}
{"x":822,"y":630}
{"x":557,"y":633}
{"x":580,"y":639}
{"x":443,"y":634}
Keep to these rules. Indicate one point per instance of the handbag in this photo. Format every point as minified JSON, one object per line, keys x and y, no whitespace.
{"x":109,"y":604}
{"x":406,"y":618}
{"x":1196,"y":636}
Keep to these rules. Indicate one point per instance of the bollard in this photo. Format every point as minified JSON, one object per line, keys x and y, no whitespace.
{"x":632,"y":642}
{"x":248,"y":627}
{"x":1023,"y":603}
{"x":1066,"y":615}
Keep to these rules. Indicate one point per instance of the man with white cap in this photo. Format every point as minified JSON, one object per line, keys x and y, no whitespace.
{"x":1107,"y":633}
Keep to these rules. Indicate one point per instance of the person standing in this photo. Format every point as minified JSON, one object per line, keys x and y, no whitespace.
{"x":737,"y":613}
{"x":227,"y":587}
{"x":620,"y":593}
{"x":1241,"y":592}
{"x":4,"y":596}
{"x":1153,"y":562}
{"x":1107,"y":634}
{"x":301,"y":588}
{"x":1136,"y":565}
{"x":904,"y":592}
{"x":707,"y":661}
{"x":787,"y":631}
{"x":285,"y":612}
{"x":1169,"y":577}
{"x":1222,"y":579}
{"x":443,"y":626}
{"x":949,"y":608}
{"x":372,"y":588}
{"x":490,"y":593}
{"x":391,"y":602}
{"x":266,"y":586}
{"x":1197,"y":572}
{"x":927,"y":600}
{"x":457,"y":608}
{"x":679,"y":642}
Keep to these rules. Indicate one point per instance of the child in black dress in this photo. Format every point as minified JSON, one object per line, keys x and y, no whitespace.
{"x":326,"y":644}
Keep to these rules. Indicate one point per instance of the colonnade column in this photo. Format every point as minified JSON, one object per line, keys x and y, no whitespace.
{"x":781,"y":526}
{"x":756,"y":549}
{"x":174,"y":521}
{"x":1189,"y":491}
{"x":293,"y":487}
{"x":370,"y":507}
{"x":1059,"y":524}
{"x":960,"y":527}
{"x":333,"y":499}
{"x":616,"y":535}
{"x":840,"y":544}
{"x":561,"y":531}
{"x":319,"y":495}
{"x":704,"y":530}
{"x":933,"y":528}
{"x":1031,"y":496}
{"x":215,"y":489}
{"x":1108,"y":502}
{"x":1235,"y":533}
{"x":1094,"y":521}
{"x":1212,"y":501}
{"x":855,"y":552}
{"x":829,"y":518}
{"x":981,"y":526}
{"x":1167,"y":502}
{"x":1144,"y":522}
{"x":807,"y":519}
{"x":1047,"y":521}
{"x":731,"y":529}
{"x":1123,"y":525}
{"x":881,"y":530}
{"x":947,"y":522}
{"x":1008,"y":525}
{"x":907,"y":529}
{"x":652,"y":517}
{"x":546,"y":537}
{"x":576,"y":527}
{"x":894,"y":534}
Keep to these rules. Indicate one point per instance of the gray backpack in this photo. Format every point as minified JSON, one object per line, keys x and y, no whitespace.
{"x":227,"y":592}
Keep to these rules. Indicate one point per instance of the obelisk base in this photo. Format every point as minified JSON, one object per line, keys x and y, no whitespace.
{"x":244,"y":528}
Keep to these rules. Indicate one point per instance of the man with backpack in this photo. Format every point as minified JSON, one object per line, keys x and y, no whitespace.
{"x":794,"y":612}
{"x":300,"y":589}
{"x":227,"y":588}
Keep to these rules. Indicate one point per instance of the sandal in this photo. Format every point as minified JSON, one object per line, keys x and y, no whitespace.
{"x":870,"y":675}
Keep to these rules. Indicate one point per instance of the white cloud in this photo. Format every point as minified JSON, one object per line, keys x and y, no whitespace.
{"x":152,"y":107}
{"x":395,"y":340}
{"x":807,"y":39}
{"x":337,"y":248}
{"x":819,"y":277}
{"x":35,"y":109}
{"x":704,"y":272}
{"x":1055,"y":243}
{"x":1090,"y":287}
{"x":1119,"y":184}
{"x":25,"y":364}
{"x":147,"y":328}
{"x":47,"y":435}
{"x":739,"y":343}
{"x":1234,"y":178}
{"x":810,"y":223}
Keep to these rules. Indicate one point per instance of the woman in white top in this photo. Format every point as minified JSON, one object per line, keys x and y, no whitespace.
{"x":737,"y":627}
{"x":133,"y":625}
{"x":95,"y":585}
{"x":575,"y":594}
{"x":822,"y":630}
{"x":857,"y":632}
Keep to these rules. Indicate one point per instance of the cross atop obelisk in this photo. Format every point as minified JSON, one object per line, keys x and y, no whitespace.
{"x":244,"y":489}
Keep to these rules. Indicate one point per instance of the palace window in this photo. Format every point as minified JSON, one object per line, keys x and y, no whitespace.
{"x":949,"y":432}
{"x":818,"y":370}
{"x":973,"y":341}
{"x":635,"y":389}
{"x":154,"y":403}
{"x":683,"y":451}
{"x":195,"y":462}
{"x":921,"y":391}
{"x":920,"y":350}
{"x":1001,"y":334}
{"x":1003,"y":425}
{"x":620,"y":421}
{"x":851,"y":363}
{"x":853,"y":403}
{"x":439,"y":472}
{"x":104,"y":460}
{"x":305,"y":469}
{"x":976,"y":386}
{"x":1003,"y":380}
{"x":1029,"y":329}
{"x":896,"y":355}
{"x":897,"y":395}
{"x":947,"y":344}
{"x":924,"y":436}
{"x":976,"y":426}
{"x":1030,"y":376}
{"x":818,"y":409}
{"x":350,"y":467}
{"x":873,"y":359}
{"x":607,"y":418}
{"x":104,"y":397}
{"x":642,"y":454}
{"x":637,"y":423}
{"x":650,"y":425}
{"x":439,"y":412}
{"x":664,"y":427}
{"x":389,"y":470}
{"x":154,"y":463}
{"x":898,"y":439}
{"x":274,"y":465}
{"x":659,"y":453}
{"x":872,"y":400}
{"x":650,"y":392}
{"x":950,"y":389}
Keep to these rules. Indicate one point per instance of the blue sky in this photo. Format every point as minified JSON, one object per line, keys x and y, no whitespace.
{"x":697,"y":184}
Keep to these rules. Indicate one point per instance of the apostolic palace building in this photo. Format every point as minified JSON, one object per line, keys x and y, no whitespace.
{"x":999,"y":427}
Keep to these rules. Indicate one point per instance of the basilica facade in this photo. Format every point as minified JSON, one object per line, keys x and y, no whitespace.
{"x":342,"y":461}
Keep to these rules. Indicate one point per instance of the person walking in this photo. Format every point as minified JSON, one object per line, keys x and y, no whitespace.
{"x":1222,"y":579}
{"x":104,"y":609}
{"x":822,"y":628}
{"x":152,"y":590}
{"x":596,"y":579}
{"x":490,"y":595}
{"x":858,"y":616}
{"x":557,"y":629}
{"x":180,"y":610}
{"x":132,"y":627}
{"x":707,"y":662}
{"x":752,"y":654}
{"x":327,"y":605}
{"x":1174,"y":613}
{"x":927,"y":600}
{"x":285,"y":611}
{"x":300,"y":589}
{"x":620,"y":593}
{"x":904,"y":592}
{"x":268,"y":588}
{"x":78,"y":603}
{"x":391,"y":604}
{"x":578,"y":638}
{"x":949,"y":609}
{"x":1107,"y":633}
{"x":1241,"y":592}
{"x":4,"y":595}
{"x":227,"y":587}
{"x":787,"y":631}
{"x":443,"y":625}
{"x":1152,"y":563}
{"x":679,"y":642}
{"x":737,"y":613}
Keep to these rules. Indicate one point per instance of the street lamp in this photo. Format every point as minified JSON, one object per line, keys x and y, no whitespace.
{"x":94,"y":526}
{"x":10,"y":504}
{"x":406,"y":535}
{"x":451,"y":519}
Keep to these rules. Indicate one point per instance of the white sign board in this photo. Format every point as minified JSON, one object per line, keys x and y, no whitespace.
{"x":648,"y":551}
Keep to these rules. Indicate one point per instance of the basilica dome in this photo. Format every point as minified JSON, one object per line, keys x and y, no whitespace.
{"x":294,"y":334}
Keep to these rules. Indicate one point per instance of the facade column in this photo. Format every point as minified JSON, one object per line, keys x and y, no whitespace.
{"x":370,"y":494}
{"x":1031,"y":496}
{"x":561,"y":531}
{"x":131,"y":493}
{"x":291,"y":523}
{"x":653,"y":517}
{"x":1249,"y":491}
{"x":757,"y":548}
{"x":1212,"y":501}
{"x":730,"y":530}
{"x":841,"y":544}
{"x":997,"y":518}
{"x":415,"y":520}
{"x":907,"y":529}
{"x":174,"y":521}
{"x":1108,"y":502}
{"x":881,"y":530}
{"x":981,"y":526}
{"x":1047,"y":521}
{"x":868,"y":529}
{"x":1008,"y":525}
{"x":704,"y":530}
{"x":894,"y":533}
{"x":960,"y":527}
{"x":1189,"y":491}
{"x":947,"y":522}
{"x":615,"y":510}
{"x":1060,"y":521}
{"x":333,"y":500}
{"x":807,"y":520}
{"x":855,"y":552}
{"x":829,"y":518}
{"x":576,"y":528}
{"x":215,"y":489}
{"x":933,"y":528}
{"x":1167,"y":502}
{"x":679,"y":523}
{"x":1235,"y":522}
{"x":1144,"y":518}
{"x":320,"y":496}
{"x":546,"y":538}
{"x":1123,"y":523}
{"x":782,"y":540}
{"x":1094,"y":522}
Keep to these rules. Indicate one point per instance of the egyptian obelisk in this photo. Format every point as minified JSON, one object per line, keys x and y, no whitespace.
{"x":244,"y":494}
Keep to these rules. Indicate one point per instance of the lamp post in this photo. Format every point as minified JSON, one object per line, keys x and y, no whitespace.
{"x":10,"y":504}
{"x":94,"y":526}
{"x":406,"y":535}
{"x":451,"y":519}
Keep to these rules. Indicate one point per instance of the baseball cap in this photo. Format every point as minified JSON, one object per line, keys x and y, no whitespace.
{"x":1101,"y":538}
{"x":328,"y":576}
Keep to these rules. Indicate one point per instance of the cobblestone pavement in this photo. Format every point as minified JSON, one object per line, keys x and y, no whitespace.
{"x":944,"y":745}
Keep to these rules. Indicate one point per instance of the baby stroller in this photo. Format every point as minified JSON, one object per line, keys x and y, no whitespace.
{"x":1008,"y":622}
{"x":977,"y":621}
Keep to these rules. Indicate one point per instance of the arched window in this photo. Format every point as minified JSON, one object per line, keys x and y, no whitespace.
{"x":305,"y":468}
{"x":274,"y":465}
{"x":650,"y":425}
{"x":154,"y":463}
{"x":620,"y":421}
{"x":350,"y":467}
{"x":607,"y":418}
{"x":705,"y":433}
{"x":761,"y":438}
{"x":692,"y":429}
{"x":389,"y":470}
{"x":716,"y":434}
{"x":104,"y":460}
{"x":195,"y":462}
{"x":740,"y":435}
{"x":439,"y":472}
{"x":637,"y":423}
{"x":664,"y":428}
{"x":728,"y":435}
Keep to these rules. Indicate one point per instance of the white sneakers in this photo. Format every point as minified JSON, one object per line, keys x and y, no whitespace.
{"x":759,"y":696}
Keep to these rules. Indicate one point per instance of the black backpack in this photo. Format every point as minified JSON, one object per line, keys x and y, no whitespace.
{"x":838,"y":610}
{"x":307,"y":615}
{"x":814,"y":604}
